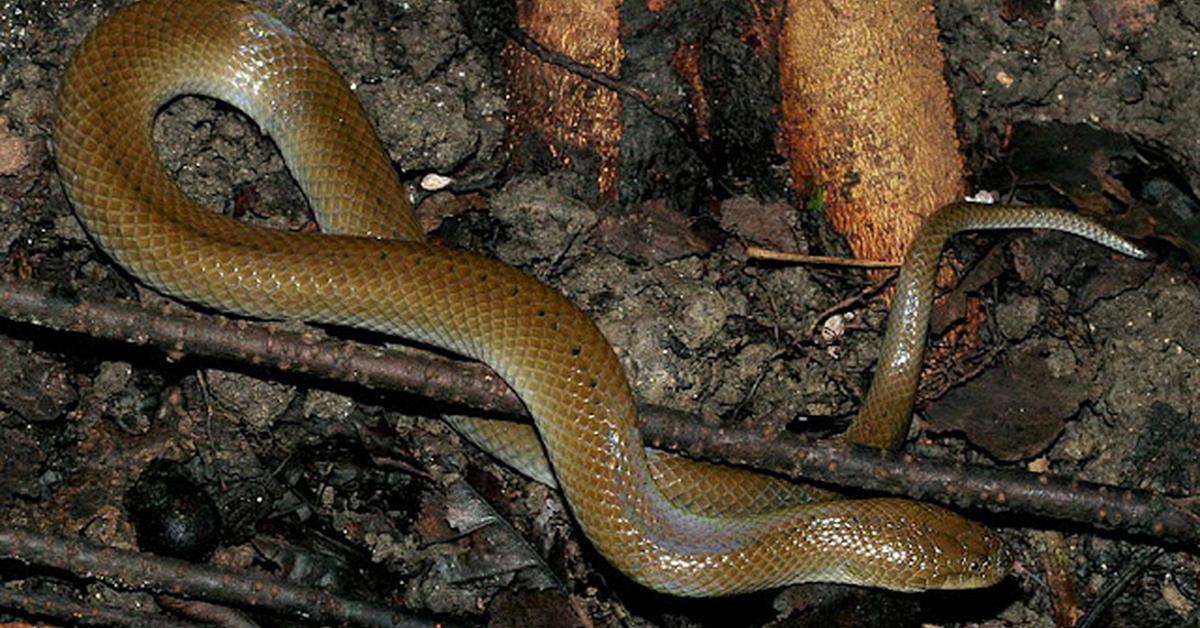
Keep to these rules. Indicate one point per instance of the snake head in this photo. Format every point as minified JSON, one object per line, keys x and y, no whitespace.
{"x":912,"y":546}
{"x":982,"y":558}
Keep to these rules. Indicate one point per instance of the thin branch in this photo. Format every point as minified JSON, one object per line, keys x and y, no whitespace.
{"x":207,"y":613}
{"x":138,"y":571}
{"x":1115,"y":587}
{"x":1129,"y":512}
{"x":757,"y":252}
{"x":181,"y":333}
{"x":876,"y":287}
{"x":1126,"y":511}
{"x":75,"y":613}
{"x":600,"y":77}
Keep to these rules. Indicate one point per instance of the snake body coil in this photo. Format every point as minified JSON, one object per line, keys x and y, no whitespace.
{"x":379,"y":274}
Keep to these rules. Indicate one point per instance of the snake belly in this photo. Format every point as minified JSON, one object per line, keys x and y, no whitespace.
{"x":371,"y":268}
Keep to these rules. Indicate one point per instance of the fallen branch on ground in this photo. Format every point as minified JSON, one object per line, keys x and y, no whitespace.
{"x":474,"y":387}
{"x":134,"y":570}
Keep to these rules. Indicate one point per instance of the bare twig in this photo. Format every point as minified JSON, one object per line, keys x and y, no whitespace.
{"x":597,"y":76}
{"x":852,"y":301}
{"x":134,"y":570}
{"x":757,"y":252}
{"x":79,"y":614}
{"x":207,"y":613}
{"x":181,"y":333}
{"x":1058,"y":567}
{"x":1130,"y":512}
{"x":1116,"y":586}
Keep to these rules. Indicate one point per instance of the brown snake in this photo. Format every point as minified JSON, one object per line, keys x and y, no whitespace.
{"x":379,"y":274}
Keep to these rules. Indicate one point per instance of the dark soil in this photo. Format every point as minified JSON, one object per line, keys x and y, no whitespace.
{"x":357,"y":485}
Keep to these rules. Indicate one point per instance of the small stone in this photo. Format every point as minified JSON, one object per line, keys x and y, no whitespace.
{"x":112,"y":378}
{"x":702,"y":318}
{"x":35,"y":387}
{"x":256,"y":402}
{"x":14,"y":153}
{"x":328,"y":405}
{"x":1018,"y":317}
{"x":1131,"y":87}
{"x":543,"y":217}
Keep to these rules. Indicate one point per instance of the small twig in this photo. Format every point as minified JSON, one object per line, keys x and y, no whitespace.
{"x":756,"y":252}
{"x":1117,"y":585}
{"x":1130,"y":512}
{"x":599,"y":77}
{"x":1058,"y":567}
{"x":138,"y":571}
{"x":852,"y":301}
{"x":206,"y":613}
{"x":746,"y":398}
{"x":80,"y":614}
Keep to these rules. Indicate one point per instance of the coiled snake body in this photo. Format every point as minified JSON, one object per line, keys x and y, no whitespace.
{"x":379,"y":274}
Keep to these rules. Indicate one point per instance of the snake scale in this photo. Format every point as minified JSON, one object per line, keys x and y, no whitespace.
{"x":371,"y":268}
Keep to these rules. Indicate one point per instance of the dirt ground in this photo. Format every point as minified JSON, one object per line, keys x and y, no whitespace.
{"x":346,"y":488}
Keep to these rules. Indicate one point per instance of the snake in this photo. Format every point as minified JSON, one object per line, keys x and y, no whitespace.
{"x":653,"y":516}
